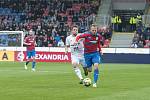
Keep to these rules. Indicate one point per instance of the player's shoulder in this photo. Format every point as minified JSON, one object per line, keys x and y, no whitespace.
{"x":86,"y":32}
{"x":100,"y":36}
{"x":69,"y":36}
{"x":26,"y":38}
{"x":79,"y":34}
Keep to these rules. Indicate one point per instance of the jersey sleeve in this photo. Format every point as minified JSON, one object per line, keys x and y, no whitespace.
{"x":78,"y":37}
{"x":99,"y":45}
{"x":25,"y":40}
{"x":67,"y":41}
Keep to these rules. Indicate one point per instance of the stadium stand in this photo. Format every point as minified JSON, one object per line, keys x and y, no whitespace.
{"x":142,"y":35}
{"x":130,"y":23}
{"x":51,"y":20}
{"x":141,"y":38}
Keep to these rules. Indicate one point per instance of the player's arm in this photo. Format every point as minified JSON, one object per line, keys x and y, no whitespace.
{"x":35,"y":41}
{"x":25,"y":42}
{"x":67,"y":45}
{"x":99,"y":46}
{"x":66,"y":49}
{"x":81,"y":39}
{"x":80,"y":36}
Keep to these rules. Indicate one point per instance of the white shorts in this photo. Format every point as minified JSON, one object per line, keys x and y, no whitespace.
{"x":78,"y":60}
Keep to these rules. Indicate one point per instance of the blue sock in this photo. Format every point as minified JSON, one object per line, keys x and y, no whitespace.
{"x":33,"y":64}
{"x":96,"y":74}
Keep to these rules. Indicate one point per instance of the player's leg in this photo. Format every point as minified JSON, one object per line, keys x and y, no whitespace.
{"x":34,"y":61}
{"x":28,"y":58}
{"x":96,"y":61}
{"x":84,"y":65}
{"x":96,"y":74}
{"x":88,"y":62}
{"x":75,"y":64}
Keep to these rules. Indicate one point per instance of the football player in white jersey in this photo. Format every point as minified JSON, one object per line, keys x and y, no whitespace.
{"x":77,"y":52}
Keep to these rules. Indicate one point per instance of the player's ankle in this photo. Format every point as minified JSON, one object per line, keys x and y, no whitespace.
{"x":94,"y":85}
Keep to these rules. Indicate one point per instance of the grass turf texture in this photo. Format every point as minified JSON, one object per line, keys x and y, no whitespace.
{"x":57,"y":81}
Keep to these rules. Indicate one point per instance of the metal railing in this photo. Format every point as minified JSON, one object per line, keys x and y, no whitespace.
{"x":103,"y":19}
{"x":146,"y":20}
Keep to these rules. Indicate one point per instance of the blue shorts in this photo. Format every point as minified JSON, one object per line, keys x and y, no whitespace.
{"x":91,"y":58}
{"x":31,"y":53}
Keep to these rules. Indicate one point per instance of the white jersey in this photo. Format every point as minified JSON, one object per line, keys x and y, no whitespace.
{"x":77,"y":49}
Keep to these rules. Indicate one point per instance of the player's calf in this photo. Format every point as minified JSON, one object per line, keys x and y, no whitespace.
{"x":85,"y":71}
{"x":96,"y":74}
{"x":25,"y":65}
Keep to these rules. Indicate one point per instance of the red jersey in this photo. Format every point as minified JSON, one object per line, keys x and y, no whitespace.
{"x":30,"y":40}
{"x":91,"y":42}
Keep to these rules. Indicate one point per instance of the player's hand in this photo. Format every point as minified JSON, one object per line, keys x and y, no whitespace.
{"x":66,"y":52}
{"x":35,"y":44}
{"x":76,"y":43}
{"x":101,"y":52}
{"x":101,"y":56}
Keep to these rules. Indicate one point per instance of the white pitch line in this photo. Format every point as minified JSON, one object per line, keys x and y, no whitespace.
{"x":43,"y":71}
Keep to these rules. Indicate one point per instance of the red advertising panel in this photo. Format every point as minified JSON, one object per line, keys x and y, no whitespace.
{"x":45,"y":56}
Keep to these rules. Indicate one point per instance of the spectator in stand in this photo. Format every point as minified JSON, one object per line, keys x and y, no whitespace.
{"x":147,"y":44}
{"x":140,"y":44}
{"x":45,"y":42}
{"x":60,"y":43}
{"x":135,"y":41}
{"x":147,"y":33}
{"x":51,"y":42}
{"x":134,"y":45}
{"x":57,"y":38}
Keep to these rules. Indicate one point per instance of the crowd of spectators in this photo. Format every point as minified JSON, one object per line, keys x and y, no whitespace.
{"x":50,"y":19}
{"x":141,"y":38}
{"x":106,"y":33}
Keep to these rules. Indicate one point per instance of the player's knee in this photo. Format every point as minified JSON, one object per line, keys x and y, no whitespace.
{"x":33,"y":59}
{"x":75,"y":65}
{"x":96,"y":65}
{"x":28,"y":59}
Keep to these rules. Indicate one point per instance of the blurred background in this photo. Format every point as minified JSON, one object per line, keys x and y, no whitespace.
{"x":122,"y":23}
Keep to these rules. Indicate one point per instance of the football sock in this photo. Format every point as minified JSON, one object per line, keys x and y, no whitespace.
{"x":27,"y":62}
{"x":96,"y":74}
{"x":78,"y":73}
{"x":33,"y":64}
{"x":85,"y":71}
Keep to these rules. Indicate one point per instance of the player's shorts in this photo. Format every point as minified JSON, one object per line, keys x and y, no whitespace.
{"x":78,"y":60}
{"x":91,"y":58}
{"x":31,"y":53}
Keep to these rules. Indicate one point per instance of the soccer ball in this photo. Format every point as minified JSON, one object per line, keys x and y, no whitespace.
{"x":87,"y":82}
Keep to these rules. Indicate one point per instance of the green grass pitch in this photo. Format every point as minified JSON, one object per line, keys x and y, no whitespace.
{"x":57,"y":81}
